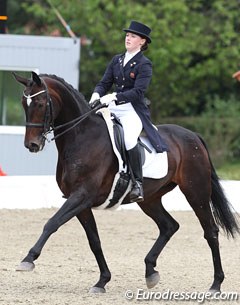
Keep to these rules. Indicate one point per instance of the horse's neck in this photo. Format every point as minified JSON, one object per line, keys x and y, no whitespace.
{"x":70,"y":109}
{"x":84,"y":124}
{"x":88,"y":136}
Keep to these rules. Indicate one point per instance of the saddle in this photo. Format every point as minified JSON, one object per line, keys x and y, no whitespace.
{"x":124,"y":176}
{"x":119,"y":140}
{"x":122,"y":181}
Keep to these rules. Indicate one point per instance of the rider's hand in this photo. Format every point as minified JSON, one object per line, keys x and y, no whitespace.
{"x":237,"y":75}
{"x":107,"y":99}
{"x":95,"y":96}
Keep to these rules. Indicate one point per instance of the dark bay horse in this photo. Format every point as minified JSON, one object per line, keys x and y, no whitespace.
{"x":87,"y":165}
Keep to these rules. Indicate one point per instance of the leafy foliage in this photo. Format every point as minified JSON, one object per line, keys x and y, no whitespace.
{"x":194,"y":50}
{"x":195,"y":46}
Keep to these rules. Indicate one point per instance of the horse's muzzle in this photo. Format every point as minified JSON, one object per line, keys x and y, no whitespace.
{"x":34,"y":146}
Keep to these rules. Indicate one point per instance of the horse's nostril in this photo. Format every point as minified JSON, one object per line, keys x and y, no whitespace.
{"x":33,"y":147}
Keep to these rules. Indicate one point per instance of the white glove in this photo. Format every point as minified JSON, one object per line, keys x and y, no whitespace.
{"x":95,"y":96}
{"x":108,"y":98}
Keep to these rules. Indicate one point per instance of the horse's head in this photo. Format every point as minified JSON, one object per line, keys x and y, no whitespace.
{"x":37,"y":105}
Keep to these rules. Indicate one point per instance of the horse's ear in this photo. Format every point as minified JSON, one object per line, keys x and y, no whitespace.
{"x":36,"y":79}
{"x":20,"y":79}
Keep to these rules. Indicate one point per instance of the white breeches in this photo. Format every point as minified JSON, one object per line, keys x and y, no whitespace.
{"x":132,"y":125}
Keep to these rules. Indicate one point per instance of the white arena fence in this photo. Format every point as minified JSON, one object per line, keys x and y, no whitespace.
{"x":33,"y":192}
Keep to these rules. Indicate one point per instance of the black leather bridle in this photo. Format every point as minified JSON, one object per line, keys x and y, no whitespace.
{"x":47,"y":125}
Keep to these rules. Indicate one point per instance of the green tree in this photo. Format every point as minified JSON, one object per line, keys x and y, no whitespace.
{"x":194,"y":46}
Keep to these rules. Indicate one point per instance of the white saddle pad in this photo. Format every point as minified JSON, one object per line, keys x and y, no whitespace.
{"x":156,"y":164}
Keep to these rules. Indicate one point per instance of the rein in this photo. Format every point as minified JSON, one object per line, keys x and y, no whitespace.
{"x":77,"y":121}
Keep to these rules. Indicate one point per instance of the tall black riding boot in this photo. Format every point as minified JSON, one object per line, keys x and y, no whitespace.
{"x":135,"y":160}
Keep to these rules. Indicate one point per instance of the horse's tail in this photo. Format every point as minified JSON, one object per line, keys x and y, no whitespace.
{"x":223,"y":212}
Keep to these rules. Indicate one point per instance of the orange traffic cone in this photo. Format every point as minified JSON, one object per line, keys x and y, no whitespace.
{"x":2,"y":172}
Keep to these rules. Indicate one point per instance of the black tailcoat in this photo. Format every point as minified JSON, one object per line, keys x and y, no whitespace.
{"x":131,"y":82}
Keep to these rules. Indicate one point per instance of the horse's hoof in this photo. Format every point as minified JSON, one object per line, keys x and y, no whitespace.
{"x":214,"y":291}
{"x":25,"y":266}
{"x":95,"y":289}
{"x":152,"y":280}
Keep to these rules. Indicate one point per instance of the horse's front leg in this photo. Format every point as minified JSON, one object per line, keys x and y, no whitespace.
{"x":87,"y":220}
{"x":72,"y":207}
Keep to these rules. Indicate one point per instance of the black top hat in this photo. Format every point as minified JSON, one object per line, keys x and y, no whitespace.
{"x":139,"y":29}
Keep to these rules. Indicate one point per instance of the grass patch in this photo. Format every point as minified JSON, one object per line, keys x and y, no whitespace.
{"x":229,"y":171}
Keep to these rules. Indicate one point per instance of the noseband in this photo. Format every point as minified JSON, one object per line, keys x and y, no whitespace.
{"x":48,"y":118}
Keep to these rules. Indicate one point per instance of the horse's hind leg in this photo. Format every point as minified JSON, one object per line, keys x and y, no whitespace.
{"x":167,"y":227}
{"x":199,"y":201}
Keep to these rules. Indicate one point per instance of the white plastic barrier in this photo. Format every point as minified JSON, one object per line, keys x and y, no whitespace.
{"x":29,"y":192}
{"x":33,"y":192}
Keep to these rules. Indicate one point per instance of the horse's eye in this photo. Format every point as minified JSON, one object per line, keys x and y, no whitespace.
{"x":40,"y":104}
